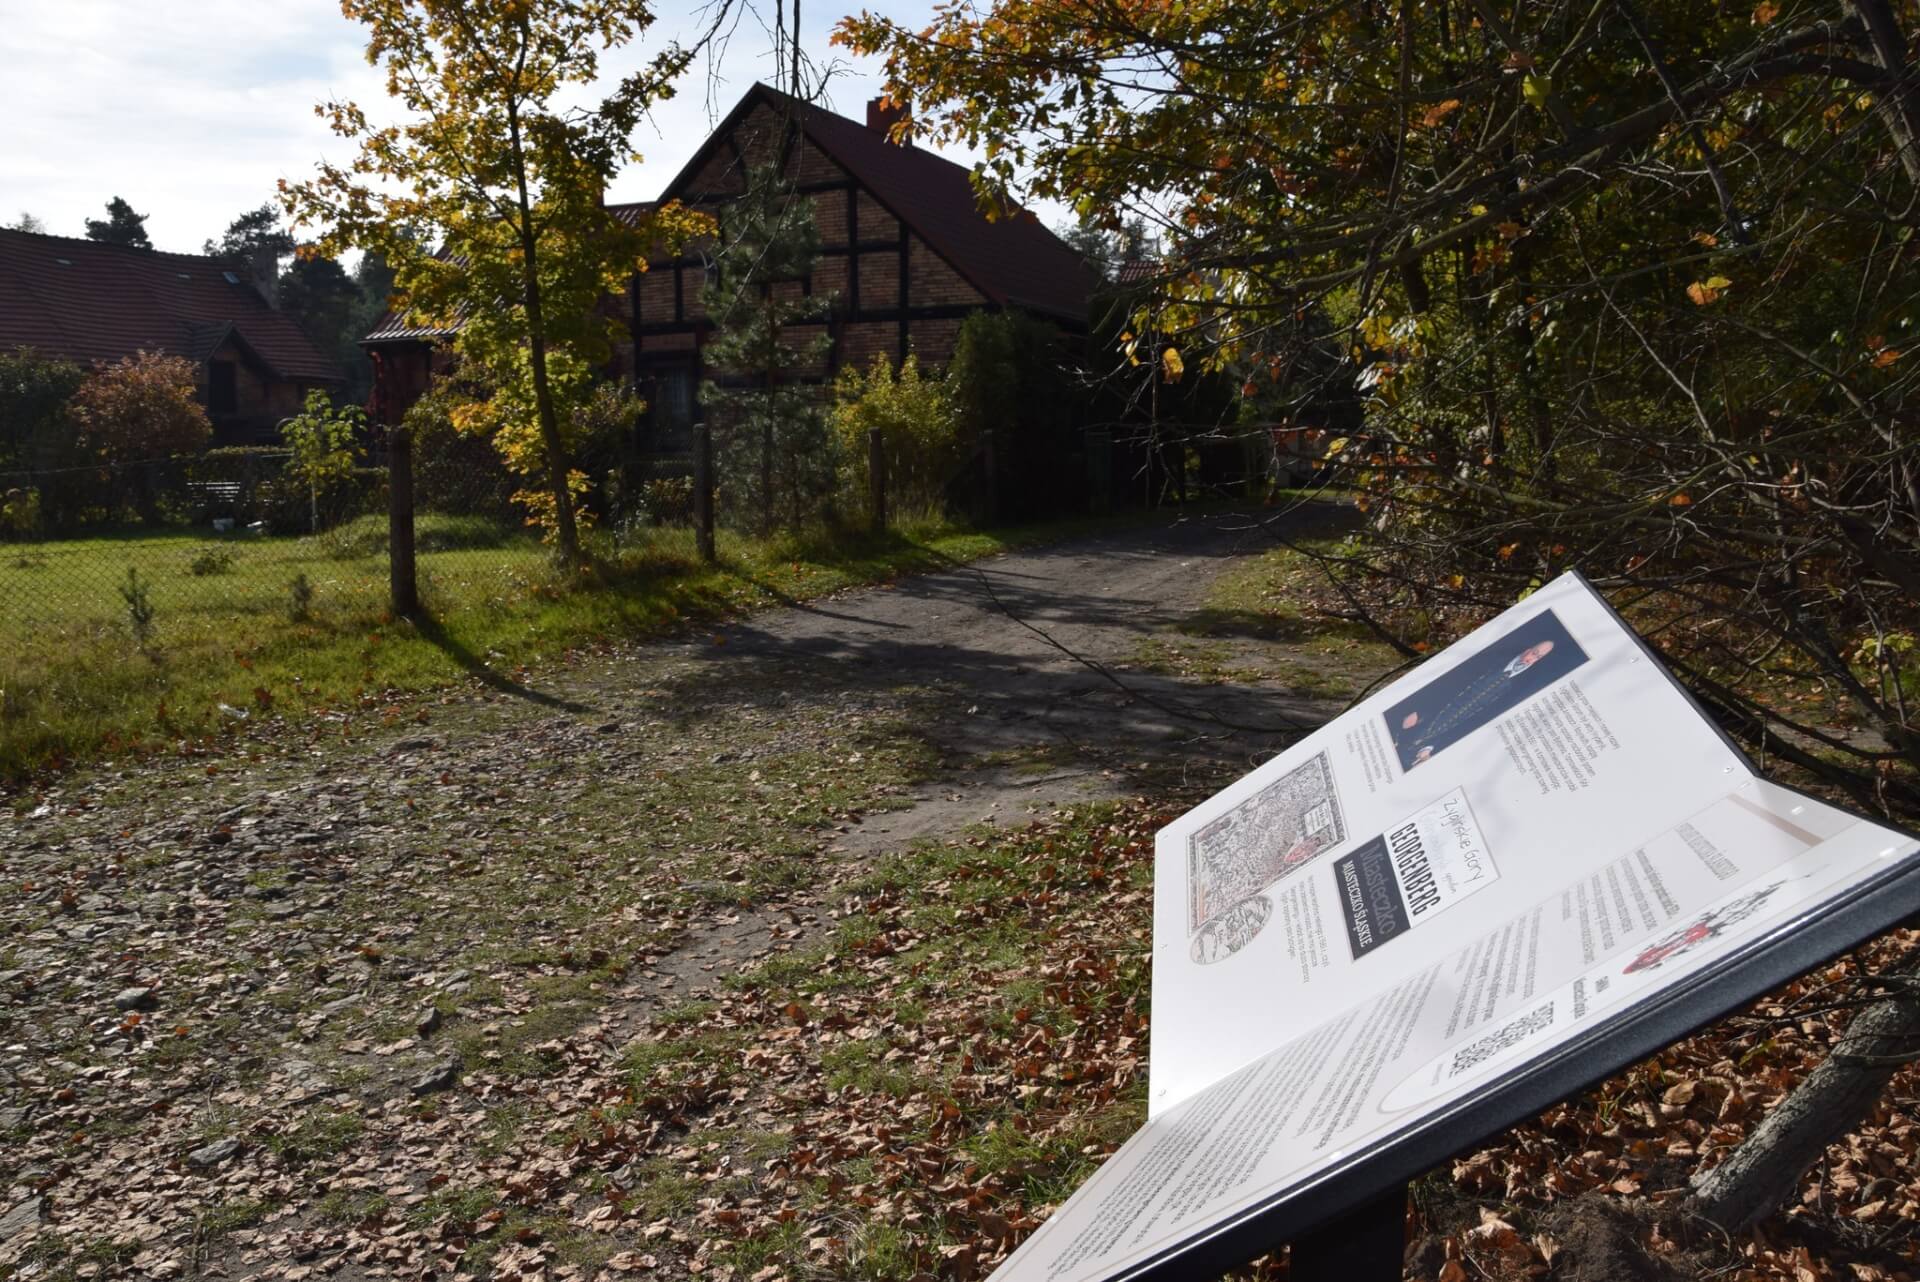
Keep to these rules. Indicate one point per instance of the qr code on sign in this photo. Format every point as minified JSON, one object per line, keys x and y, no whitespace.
{"x":1509,"y":1034}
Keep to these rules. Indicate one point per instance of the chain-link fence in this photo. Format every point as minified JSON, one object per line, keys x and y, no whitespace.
{"x":227,"y":547}
{"x":209,"y":542}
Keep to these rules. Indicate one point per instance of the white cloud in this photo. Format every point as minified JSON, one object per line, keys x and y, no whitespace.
{"x":192,"y":109}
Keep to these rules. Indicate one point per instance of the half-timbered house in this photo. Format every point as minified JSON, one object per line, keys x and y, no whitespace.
{"x":905,"y":250}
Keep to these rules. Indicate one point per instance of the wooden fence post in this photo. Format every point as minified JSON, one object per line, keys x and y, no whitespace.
{"x":877,"y":479}
{"x":1099,"y":469}
{"x":992,"y":477}
{"x":1367,"y":1244}
{"x":403,"y":590}
{"x":703,"y":492}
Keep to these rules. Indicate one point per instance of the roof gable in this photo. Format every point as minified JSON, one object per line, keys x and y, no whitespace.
{"x":1014,"y":260}
{"x":85,"y":301}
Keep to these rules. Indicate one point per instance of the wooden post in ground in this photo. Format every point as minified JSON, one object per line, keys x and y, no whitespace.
{"x":877,"y":479}
{"x":1367,"y":1244}
{"x":402,"y":589}
{"x":992,"y":496}
{"x":703,"y":492}
{"x":1099,"y":469}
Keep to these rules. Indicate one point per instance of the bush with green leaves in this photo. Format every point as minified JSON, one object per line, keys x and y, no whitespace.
{"x":211,"y":561}
{"x":19,"y":511}
{"x":602,"y":426}
{"x":35,"y":431}
{"x":456,"y":471}
{"x":140,"y":610}
{"x":325,"y":443}
{"x":919,"y":432}
{"x":1014,"y":375}
{"x":300,"y":598}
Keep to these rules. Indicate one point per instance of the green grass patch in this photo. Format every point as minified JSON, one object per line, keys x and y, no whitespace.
{"x":319,"y":1134}
{"x":285,"y":627}
{"x":222,"y":1218}
{"x":351,"y":1206}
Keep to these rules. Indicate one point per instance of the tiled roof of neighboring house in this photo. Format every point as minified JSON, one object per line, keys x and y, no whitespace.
{"x":631,"y":212}
{"x":401,"y":327}
{"x":1135,"y":270}
{"x":1014,"y":260}
{"x":85,"y":301}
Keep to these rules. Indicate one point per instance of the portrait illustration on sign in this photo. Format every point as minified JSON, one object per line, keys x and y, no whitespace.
{"x":1231,"y":931}
{"x":1272,"y":834}
{"x":1507,"y":672}
{"x":1707,"y":926}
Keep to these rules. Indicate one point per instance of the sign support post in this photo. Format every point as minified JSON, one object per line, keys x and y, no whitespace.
{"x":1367,"y":1244}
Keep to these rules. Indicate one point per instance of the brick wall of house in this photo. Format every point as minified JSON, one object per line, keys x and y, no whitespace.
{"x":808,"y":164}
{"x":830,"y":216}
{"x":875,"y":222}
{"x":860,"y":283}
{"x":719,"y":176}
{"x":830,"y":279}
{"x":932,"y":282}
{"x":656,"y":294}
{"x":880,"y":280}
{"x":759,"y":136}
{"x":860,"y":342}
{"x":932,"y":341}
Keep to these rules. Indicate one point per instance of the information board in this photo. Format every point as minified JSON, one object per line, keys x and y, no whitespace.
{"x":1523,"y":866}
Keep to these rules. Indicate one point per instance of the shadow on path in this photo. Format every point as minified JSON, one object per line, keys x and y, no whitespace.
{"x":434,"y":633}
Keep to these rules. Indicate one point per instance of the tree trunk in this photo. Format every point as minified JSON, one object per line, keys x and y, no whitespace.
{"x":402,"y":591}
{"x":1886,"y":47}
{"x":566,"y":536}
{"x":703,"y":492}
{"x":1765,"y":1170}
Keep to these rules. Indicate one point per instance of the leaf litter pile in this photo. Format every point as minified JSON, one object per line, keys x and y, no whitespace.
{"x":573,"y":997}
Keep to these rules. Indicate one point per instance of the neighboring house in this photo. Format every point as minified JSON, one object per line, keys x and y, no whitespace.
{"x":905,"y":254}
{"x":93,"y":303}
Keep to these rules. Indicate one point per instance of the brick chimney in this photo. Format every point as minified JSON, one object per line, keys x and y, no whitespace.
{"x":264,"y":267}
{"x":882,"y":115}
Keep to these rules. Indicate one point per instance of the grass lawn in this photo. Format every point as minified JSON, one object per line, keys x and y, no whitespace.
{"x":227,"y":627}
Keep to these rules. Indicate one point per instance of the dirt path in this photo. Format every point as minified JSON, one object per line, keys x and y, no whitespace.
{"x":244,"y":1001}
{"x":1011,"y":636}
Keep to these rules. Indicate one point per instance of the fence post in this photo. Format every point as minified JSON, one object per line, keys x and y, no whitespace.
{"x":703,"y":491}
{"x":1100,"y":469}
{"x":992,"y":477}
{"x":877,"y":479}
{"x":402,"y":589}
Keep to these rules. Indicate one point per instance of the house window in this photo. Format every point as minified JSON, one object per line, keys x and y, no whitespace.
{"x":223,"y":395}
{"x":672,"y":409}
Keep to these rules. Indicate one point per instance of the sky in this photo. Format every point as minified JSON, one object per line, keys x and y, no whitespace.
{"x":192,"y":109}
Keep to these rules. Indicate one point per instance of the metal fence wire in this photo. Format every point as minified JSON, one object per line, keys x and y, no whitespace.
{"x":206,"y":542}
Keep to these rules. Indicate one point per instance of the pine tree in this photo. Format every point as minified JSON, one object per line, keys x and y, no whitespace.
{"x":121,"y":226}
{"x":772,"y":448}
{"x":256,"y":229}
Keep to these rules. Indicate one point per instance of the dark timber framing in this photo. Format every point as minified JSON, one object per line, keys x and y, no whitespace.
{"x":843,"y":166}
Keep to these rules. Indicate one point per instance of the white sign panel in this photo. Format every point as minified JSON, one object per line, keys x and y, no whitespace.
{"x":1529,"y":833}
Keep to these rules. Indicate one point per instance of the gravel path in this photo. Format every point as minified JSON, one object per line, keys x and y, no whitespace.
{"x":226,"y":986}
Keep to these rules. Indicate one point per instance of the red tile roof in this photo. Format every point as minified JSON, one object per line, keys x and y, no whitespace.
{"x":405,"y":327}
{"x":85,"y":301}
{"x":1014,"y":260}
{"x":631,"y":212}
